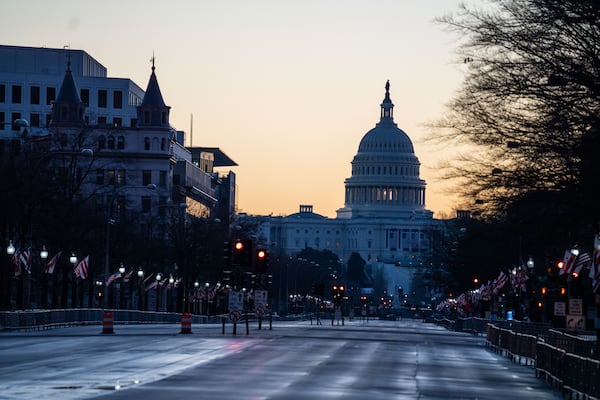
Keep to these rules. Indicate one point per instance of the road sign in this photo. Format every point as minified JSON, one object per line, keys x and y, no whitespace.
{"x":235,"y":316}
{"x":259,"y":311}
{"x":236,"y":301}
{"x":560,"y":308}
{"x":575,"y":322}
{"x":260,"y":298}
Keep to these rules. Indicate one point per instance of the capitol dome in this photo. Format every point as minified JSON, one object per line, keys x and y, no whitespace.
{"x":385,"y":172}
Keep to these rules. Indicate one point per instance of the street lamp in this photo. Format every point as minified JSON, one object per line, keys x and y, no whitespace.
{"x":44,"y":278}
{"x":122,"y":286}
{"x":196,"y":286}
{"x":140,"y":275}
{"x":170,"y":293}
{"x":73,"y":261}
{"x":206,"y":286}
{"x":158,"y":278}
{"x":10,"y":249}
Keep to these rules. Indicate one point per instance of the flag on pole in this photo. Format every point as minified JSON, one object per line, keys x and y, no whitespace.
{"x":81,"y":270}
{"x":568,"y":262}
{"x":112,"y":278}
{"x":152,"y":285}
{"x":127,"y":276}
{"x":49,"y":268}
{"x":595,"y":267}
{"x":25,"y":258}
{"x":583,"y":261}
{"x":16,"y":260}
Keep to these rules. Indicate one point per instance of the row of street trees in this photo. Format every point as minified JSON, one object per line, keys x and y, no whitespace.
{"x":527,"y":123}
{"x":43,"y":206}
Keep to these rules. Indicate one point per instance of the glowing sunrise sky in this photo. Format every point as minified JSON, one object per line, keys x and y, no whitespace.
{"x":287,"y":89}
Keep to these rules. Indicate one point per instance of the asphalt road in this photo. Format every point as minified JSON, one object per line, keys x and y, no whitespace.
{"x":372,"y":360}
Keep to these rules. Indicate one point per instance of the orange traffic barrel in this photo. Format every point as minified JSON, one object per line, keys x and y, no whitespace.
{"x":107,"y":323}
{"x":186,"y":323}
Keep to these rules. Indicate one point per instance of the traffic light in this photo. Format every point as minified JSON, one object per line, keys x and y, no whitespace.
{"x":227,"y":254}
{"x":363,"y":299}
{"x":242,"y":250}
{"x":400,"y":292}
{"x":338,"y":292}
{"x":261,"y":260}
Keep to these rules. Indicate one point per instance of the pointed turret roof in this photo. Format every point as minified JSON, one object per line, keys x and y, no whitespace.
{"x":67,"y":109}
{"x":153,"y":111}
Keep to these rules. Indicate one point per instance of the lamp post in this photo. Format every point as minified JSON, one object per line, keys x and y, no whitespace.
{"x":206,"y":286}
{"x":6,"y":276}
{"x":73,"y":261}
{"x":122,"y":285}
{"x":44,"y":278}
{"x":140,"y":275}
{"x":170,"y":293}
{"x":158,"y":278}
{"x":196,"y":287}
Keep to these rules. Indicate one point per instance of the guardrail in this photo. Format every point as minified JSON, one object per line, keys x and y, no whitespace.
{"x":48,"y":319}
{"x":570,"y":363}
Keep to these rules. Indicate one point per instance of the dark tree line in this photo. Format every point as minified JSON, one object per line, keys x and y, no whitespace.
{"x":528,"y":116}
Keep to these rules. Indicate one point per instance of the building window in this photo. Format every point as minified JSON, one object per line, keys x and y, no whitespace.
{"x":110,"y":176}
{"x":146,"y":204}
{"x":163,"y":141}
{"x":16,"y":94}
{"x":117,"y":99}
{"x":111,"y":142}
{"x":102,"y":142}
{"x":162,"y":178}
{"x":34,"y":120}
{"x":133,"y":122}
{"x":102,"y":121}
{"x":102,"y":98}
{"x":117,"y":122}
{"x":146,"y":117}
{"x":121,"y":142}
{"x":2,"y":93}
{"x":34,"y":94}
{"x":15,"y":116}
{"x":85,"y":96}
{"x":99,"y":177}
{"x":2,"y":121}
{"x":146,"y":143}
{"x":48,"y":119}
{"x":146,"y":177}
{"x":121,"y":177}
{"x":50,"y":95}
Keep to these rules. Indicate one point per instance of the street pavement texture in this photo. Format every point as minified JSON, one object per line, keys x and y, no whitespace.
{"x":366,"y":360}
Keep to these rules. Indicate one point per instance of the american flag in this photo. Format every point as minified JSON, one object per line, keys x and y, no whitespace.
{"x":81,"y":270}
{"x":568,"y":262}
{"x":583,"y":261}
{"x":112,"y":278}
{"x":152,"y":285}
{"x":21,"y":259}
{"x":595,"y":267}
{"x":128,"y":276}
{"x":49,"y":268}
{"x":25,"y":258}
